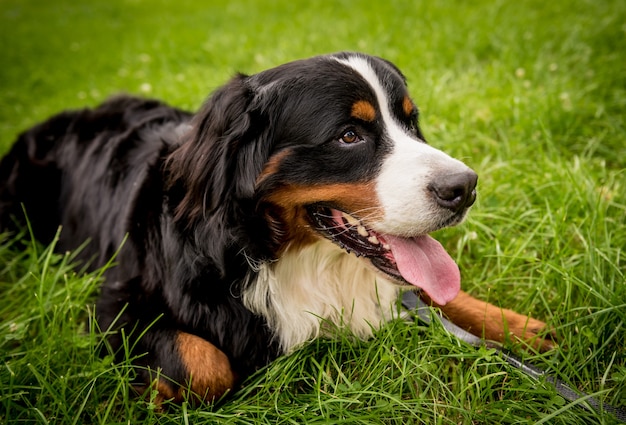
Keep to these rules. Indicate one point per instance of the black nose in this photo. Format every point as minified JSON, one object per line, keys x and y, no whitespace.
{"x":455,"y":191}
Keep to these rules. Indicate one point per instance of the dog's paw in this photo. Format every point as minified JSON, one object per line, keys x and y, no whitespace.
{"x":494,"y":323}
{"x":530,"y":331}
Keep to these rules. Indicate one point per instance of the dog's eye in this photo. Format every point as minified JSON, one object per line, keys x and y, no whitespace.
{"x":350,"y":137}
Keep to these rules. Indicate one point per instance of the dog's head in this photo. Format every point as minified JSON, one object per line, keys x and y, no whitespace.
{"x":330,"y":147}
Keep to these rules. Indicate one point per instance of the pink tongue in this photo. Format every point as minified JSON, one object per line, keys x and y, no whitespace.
{"x":423,"y":262}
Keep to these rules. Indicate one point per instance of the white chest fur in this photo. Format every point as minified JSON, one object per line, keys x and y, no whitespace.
{"x":320,"y":284}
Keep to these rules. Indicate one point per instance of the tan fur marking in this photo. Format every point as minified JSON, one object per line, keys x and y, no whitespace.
{"x":350,"y":197}
{"x":495,"y":323}
{"x":407,"y":106}
{"x":272,"y":165}
{"x":165,"y":392}
{"x":299,"y":232}
{"x":210,"y":374}
{"x":287,"y":205}
{"x":363,"y":110}
{"x":161,"y":388}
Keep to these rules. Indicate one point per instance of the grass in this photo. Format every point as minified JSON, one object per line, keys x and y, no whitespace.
{"x":531,"y":94}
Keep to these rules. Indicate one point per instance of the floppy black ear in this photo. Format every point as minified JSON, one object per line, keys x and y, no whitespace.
{"x":224,"y":153}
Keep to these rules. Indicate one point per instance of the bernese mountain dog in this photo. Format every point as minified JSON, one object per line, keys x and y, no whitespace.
{"x":294,"y":200}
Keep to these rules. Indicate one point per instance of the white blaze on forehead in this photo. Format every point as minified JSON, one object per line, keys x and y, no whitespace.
{"x":402,"y":185}
{"x":363,"y":67}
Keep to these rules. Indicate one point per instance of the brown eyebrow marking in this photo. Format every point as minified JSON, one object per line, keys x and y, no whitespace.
{"x":408,"y":106}
{"x":363,"y":110}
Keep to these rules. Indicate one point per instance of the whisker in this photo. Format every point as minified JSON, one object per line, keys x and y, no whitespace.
{"x":370,"y":213}
{"x":364,"y":214}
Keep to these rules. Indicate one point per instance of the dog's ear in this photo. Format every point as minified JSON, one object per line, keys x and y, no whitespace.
{"x":222,"y":154}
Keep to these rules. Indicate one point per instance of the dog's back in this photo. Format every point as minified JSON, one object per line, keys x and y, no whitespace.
{"x":66,"y":172}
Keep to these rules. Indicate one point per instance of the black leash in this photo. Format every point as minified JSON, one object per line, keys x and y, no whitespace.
{"x":413,"y":303}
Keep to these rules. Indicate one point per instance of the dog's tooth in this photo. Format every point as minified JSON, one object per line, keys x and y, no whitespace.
{"x":351,"y":220}
{"x":386,"y":246}
{"x":373,"y":240}
{"x":362,"y":231}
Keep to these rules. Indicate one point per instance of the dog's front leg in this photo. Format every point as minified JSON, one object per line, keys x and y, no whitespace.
{"x":176,"y":364}
{"x":182,"y":366}
{"x":495,"y":323}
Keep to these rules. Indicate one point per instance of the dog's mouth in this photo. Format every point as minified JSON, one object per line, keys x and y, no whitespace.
{"x":420,"y":261}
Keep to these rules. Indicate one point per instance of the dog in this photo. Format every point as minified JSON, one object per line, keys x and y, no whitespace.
{"x":294,"y":199}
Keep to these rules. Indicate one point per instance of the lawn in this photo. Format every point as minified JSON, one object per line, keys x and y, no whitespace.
{"x":531,"y":94}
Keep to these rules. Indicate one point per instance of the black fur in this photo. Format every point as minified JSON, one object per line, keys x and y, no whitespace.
{"x":184,"y":189}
